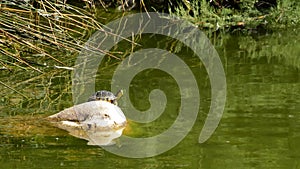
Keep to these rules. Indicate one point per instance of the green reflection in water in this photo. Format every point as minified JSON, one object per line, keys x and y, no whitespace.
{"x":260,"y":127}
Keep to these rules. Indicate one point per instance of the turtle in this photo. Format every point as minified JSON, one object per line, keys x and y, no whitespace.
{"x":105,"y":95}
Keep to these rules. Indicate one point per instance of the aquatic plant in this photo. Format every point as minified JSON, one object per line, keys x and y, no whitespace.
{"x":240,"y":14}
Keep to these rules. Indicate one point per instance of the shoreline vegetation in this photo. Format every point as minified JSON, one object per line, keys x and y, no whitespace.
{"x":39,"y":39}
{"x":219,"y":14}
{"x":30,"y":30}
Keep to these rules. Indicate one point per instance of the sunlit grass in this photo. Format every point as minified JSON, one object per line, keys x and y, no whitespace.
{"x":40,"y":27}
{"x":37,"y":38}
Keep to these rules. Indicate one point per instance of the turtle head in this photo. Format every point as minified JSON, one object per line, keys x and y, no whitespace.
{"x":119,"y":94}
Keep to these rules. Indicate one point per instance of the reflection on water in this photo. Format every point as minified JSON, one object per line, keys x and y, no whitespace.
{"x":260,"y":127}
{"x":94,"y":136}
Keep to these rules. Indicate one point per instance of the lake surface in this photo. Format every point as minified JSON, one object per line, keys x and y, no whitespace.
{"x":260,"y":126}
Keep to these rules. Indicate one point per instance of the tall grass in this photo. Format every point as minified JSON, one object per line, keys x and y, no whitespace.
{"x":37,"y":36}
{"x":39,"y":27}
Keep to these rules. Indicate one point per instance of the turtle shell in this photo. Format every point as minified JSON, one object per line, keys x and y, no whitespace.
{"x":103,"y":95}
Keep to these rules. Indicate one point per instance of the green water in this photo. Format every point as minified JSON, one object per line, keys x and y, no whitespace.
{"x":260,"y":127}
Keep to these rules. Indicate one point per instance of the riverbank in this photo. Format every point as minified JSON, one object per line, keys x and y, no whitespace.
{"x":227,"y":15}
{"x":33,"y":31}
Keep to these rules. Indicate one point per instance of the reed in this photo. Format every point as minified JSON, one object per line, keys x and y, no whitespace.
{"x":39,"y":27}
